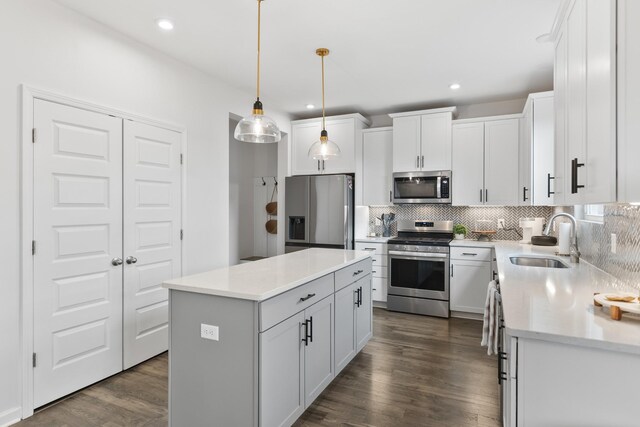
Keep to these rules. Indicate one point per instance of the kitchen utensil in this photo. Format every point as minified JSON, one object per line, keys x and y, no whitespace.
{"x":387,"y":220}
{"x":544,"y":241}
{"x":530,"y":227}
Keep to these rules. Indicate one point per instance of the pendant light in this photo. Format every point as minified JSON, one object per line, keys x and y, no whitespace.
{"x":324,"y":148}
{"x":257,"y":127}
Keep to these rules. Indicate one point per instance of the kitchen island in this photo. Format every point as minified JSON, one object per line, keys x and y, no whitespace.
{"x":255,"y":344}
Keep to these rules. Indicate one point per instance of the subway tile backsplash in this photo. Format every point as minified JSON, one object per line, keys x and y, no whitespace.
{"x":461,"y":215}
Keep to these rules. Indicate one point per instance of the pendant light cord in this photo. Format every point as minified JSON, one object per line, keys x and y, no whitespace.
{"x":323,"y":119}
{"x":258,"y":74}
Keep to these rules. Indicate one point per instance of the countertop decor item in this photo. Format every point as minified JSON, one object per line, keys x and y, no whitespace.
{"x":387,"y":220}
{"x":460,"y":231}
{"x":618,"y":304}
{"x":544,"y":240}
{"x":324,"y":148}
{"x":257,"y":127}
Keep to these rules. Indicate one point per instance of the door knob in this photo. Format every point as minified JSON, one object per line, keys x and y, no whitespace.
{"x":116,"y":261}
{"x":130,"y":260}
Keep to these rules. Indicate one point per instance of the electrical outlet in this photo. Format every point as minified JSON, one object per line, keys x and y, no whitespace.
{"x":209,"y":332}
{"x":501,"y":224}
{"x":614,"y":243}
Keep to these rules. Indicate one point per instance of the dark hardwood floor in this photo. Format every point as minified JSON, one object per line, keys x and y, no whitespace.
{"x":416,"y":371}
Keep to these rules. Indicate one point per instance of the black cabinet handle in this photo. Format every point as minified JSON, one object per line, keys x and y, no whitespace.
{"x":360,"y":297}
{"x":486,"y":196}
{"x":549,"y":178}
{"x":305,"y":338}
{"x":494,"y":275}
{"x":574,"y":175}
{"x":390,"y":197}
{"x":481,"y":195}
{"x":357,"y":303}
{"x":307,"y":297}
{"x":310,"y":329}
{"x":451,"y":270}
{"x":524,"y":194}
{"x":355,"y":273}
{"x":469,"y":254}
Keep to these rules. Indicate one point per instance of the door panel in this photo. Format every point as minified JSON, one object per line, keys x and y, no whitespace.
{"x":364,"y":314}
{"x":343,"y":133}
{"x":406,"y":144}
{"x":152,"y":221}
{"x":327,"y":210}
{"x":436,"y":142}
{"x":77,"y":227}
{"x":501,"y":143}
{"x":302,"y":137}
{"x":345,"y":340}
{"x":318,"y":356}
{"x":468,"y":164}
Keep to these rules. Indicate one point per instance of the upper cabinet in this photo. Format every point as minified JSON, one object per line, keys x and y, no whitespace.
{"x":485,"y":161}
{"x":628,"y":101}
{"x":585,"y":104}
{"x":422,"y":140}
{"x":377,"y":152}
{"x":537,"y":151}
{"x":346,"y":131}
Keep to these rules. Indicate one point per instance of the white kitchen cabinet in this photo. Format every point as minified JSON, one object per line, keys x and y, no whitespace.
{"x":628,"y":101}
{"x":537,"y":151}
{"x":422,"y":140}
{"x":377,"y":153}
{"x":346,"y":131}
{"x":318,"y":349}
{"x":379,"y":270}
{"x":585,"y":80}
{"x":470,"y":273}
{"x":485,"y":161}
{"x":364,"y":313}
{"x":467,"y":174}
{"x":562,"y":384}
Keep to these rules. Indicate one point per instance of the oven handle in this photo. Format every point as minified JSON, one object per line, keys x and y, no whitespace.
{"x":418,"y":255}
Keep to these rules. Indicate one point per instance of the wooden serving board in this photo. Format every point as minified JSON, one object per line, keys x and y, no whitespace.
{"x":616,"y":308}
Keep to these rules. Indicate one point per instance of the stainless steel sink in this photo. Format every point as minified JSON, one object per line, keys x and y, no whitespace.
{"x":531,"y":261}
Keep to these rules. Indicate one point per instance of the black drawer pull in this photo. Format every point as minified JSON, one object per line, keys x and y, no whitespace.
{"x":355,"y":273}
{"x":469,"y":254}
{"x":307,"y":297}
{"x":574,"y":175}
{"x":549,"y":178}
{"x":369,"y":249}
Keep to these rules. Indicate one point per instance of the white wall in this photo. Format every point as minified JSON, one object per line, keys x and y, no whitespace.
{"x":49,"y":47}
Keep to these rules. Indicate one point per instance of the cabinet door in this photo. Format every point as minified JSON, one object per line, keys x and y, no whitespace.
{"x":559,"y":182}
{"x":576,"y":104}
{"x":469,"y":280}
{"x":379,"y":289}
{"x":628,"y":100}
{"x":377,"y":175}
{"x":318,"y":355}
{"x":302,"y":137}
{"x":467,"y":186}
{"x":282,"y":373}
{"x":600,"y":164}
{"x":406,"y":144}
{"x":501,"y":162}
{"x":543,"y":151}
{"x":435,"y":153}
{"x":525,"y":157}
{"x":345,"y":340}
{"x":343,"y":133}
{"x":364,"y":314}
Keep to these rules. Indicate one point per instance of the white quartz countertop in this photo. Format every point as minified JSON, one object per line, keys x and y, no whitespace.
{"x":261,"y":280}
{"x":556,"y":304}
{"x":468,"y":243}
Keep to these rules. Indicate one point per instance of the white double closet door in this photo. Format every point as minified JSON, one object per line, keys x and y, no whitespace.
{"x":107,"y":215}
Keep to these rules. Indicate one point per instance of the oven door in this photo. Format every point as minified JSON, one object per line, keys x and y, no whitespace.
{"x":416,"y":274}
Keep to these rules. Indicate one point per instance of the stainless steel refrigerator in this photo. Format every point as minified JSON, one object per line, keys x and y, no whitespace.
{"x":319,"y":212}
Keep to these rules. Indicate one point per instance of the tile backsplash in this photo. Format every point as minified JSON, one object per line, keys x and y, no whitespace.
{"x":594,"y":241}
{"x":461,"y":215}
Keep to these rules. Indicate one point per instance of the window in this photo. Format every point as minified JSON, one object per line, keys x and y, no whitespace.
{"x":592,"y":213}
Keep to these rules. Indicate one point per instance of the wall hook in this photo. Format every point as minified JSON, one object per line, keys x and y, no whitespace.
{"x":275,"y":180}
{"x":263,"y":183}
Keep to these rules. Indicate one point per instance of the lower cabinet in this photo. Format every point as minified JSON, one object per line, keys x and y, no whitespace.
{"x":353,"y":321}
{"x":552,"y":383}
{"x":470,"y":273}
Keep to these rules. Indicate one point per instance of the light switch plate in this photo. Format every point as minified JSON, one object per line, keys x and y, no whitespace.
{"x":501,"y":224}
{"x":209,"y":332}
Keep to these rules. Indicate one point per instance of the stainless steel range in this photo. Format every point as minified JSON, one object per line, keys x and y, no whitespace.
{"x":419,"y":268}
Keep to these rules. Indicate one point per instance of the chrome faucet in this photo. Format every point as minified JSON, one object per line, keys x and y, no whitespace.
{"x":574,"y":253}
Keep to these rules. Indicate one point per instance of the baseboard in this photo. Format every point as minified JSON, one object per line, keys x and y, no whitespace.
{"x":463,"y":315}
{"x":10,"y":416}
{"x":379,"y":304}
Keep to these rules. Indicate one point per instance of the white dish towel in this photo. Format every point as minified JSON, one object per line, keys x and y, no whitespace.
{"x":490,"y":321}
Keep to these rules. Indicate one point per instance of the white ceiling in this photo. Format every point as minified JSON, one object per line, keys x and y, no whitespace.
{"x":392,"y":55}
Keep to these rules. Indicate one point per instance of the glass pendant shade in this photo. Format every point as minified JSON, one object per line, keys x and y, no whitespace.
{"x":257,"y":128}
{"x":324,"y":148}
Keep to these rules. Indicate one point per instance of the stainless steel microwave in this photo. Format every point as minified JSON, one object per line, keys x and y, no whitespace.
{"x":422,"y":187}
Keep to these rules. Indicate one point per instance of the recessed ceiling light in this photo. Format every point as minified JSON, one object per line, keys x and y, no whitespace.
{"x":310,"y":106}
{"x":165,"y":24}
{"x":454,"y":86}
